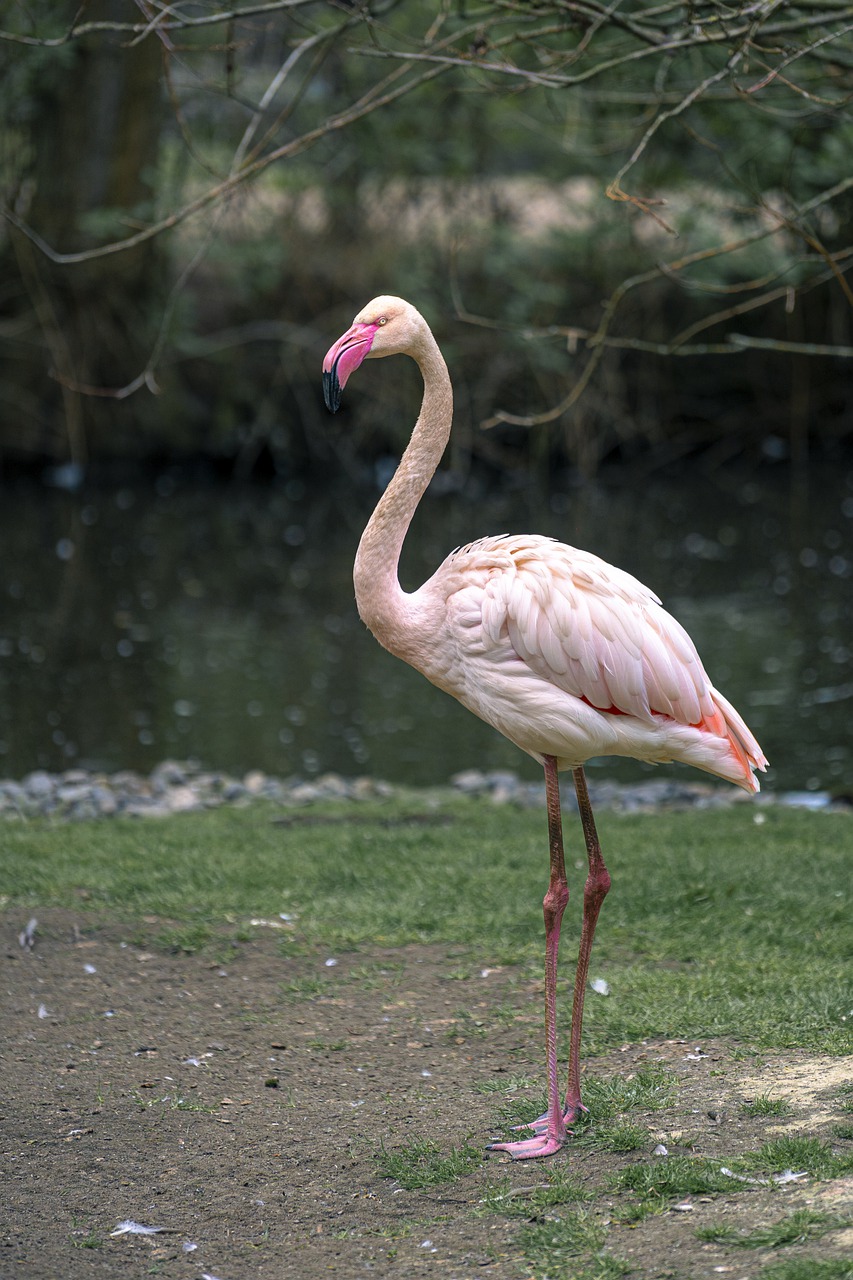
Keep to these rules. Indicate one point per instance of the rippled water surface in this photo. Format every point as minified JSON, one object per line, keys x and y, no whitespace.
{"x":219,"y":623}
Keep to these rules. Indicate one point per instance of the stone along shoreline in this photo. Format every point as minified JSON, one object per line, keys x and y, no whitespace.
{"x":184,"y":786}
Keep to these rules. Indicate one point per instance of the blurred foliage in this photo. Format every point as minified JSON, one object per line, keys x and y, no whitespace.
{"x":629,"y":226}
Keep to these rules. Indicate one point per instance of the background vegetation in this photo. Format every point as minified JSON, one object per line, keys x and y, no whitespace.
{"x":629,"y":222}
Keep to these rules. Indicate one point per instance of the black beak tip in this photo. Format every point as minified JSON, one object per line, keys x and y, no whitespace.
{"x":331,"y":391}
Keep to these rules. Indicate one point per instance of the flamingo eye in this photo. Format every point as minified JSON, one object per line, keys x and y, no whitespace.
{"x":382,"y":320}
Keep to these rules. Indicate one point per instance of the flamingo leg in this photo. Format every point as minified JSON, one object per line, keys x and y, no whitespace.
{"x":594,"y":893}
{"x":550,"y":1130}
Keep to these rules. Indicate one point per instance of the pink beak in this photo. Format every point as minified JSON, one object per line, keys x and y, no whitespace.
{"x":342,"y":358}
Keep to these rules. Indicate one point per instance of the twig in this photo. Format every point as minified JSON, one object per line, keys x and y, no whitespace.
{"x":792,"y":57}
{"x":600,"y":339}
{"x":147,"y":377}
{"x":272,"y":89}
{"x":174,"y":22}
{"x":614,"y":190}
{"x":795,"y":348}
{"x":365,"y":106}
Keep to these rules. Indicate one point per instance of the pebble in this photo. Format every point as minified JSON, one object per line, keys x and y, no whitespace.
{"x":172,"y":787}
{"x":184,"y":786}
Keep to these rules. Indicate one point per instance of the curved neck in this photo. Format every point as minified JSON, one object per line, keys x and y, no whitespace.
{"x":380,"y":599}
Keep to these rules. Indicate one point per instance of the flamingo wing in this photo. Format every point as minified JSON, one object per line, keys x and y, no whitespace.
{"x":595,"y":632}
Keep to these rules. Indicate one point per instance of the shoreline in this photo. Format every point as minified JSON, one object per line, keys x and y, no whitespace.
{"x":184,"y":787}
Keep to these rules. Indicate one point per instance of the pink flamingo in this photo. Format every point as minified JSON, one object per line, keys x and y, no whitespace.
{"x":567,"y":656}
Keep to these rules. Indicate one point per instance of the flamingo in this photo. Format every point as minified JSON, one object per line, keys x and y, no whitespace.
{"x":561,"y":652}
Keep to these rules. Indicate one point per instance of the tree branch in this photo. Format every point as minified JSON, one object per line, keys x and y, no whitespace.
{"x":369,"y":103}
{"x":172,"y":20}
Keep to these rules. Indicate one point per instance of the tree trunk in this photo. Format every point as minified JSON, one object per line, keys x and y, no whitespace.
{"x":96,"y":119}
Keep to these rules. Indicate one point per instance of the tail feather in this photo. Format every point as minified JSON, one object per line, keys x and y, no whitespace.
{"x":743,"y":743}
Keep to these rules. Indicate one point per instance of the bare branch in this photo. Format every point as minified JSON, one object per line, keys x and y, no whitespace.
{"x":600,"y":339}
{"x":172,"y":20}
{"x":310,"y":42}
{"x":794,"y":223}
{"x":794,"y":57}
{"x":370,"y":102}
{"x":148,"y":375}
{"x":743,"y":341}
{"x":614,"y":190}
{"x":699,"y":51}
{"x":696,"y":37}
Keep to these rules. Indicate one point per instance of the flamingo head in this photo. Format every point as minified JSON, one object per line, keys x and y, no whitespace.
{"x":385,"y":327}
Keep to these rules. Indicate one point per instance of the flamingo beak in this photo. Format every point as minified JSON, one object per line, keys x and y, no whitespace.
{"x":342,"y":358}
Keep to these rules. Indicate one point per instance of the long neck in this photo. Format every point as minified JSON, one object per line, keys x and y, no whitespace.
{"x":381,"y":601}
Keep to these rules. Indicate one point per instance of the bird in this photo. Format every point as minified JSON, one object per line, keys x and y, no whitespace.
{"x":566,"y":655}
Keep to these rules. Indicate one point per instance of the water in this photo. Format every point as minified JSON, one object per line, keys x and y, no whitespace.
{"x":218,"y":623}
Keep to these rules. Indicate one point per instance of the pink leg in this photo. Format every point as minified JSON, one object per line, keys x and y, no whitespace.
{"x":594,"y":893}
{"x":550,"y":1129}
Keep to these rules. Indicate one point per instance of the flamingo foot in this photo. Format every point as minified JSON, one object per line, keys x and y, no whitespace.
{"x":543,"y":1144}
{"x":540,"y":1124}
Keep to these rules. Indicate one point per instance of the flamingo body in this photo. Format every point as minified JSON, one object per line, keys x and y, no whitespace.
{"x":567,"y":656}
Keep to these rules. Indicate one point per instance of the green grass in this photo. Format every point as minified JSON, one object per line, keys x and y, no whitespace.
{"x":764,"y":1105}
{"x":569,"y":1247}
{"x":697,"y":937}
{"x":795,"y":1228}
{"x":561,"y":1186}
{"x":657,"y":1181}
{"x":673,"y":1177}
{"x":306,"y":988}
{"x":619,"y":1137}
{"x":650,"y":1088}
{"x":790,"y":1152}
{"x":90,"y":1241}
{"x":809,"y":1268}
{"x":421,"y":1164}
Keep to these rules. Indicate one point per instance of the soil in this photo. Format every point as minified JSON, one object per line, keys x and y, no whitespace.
{"x":238,"y":1099}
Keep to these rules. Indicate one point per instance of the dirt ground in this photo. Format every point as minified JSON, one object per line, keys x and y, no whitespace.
{"x":238,"y":1100}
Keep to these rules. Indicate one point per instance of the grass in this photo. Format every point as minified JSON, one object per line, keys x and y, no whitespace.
{"x":696,"y":937}
{"x":649,"y":1088}
{"x":422,"y":1164}
{"x":795,"y":1228}
{"x":561,"y":1187}
{"x":711,"y":929}
{"x":571,"y":1235}
{"x":673,"y":1177}
{"x":570,"y":1248}
{"x":810,"y":1268}
{"x":791,"y":1152}
{"x":90,"y":1240}
{"x":655,"y":1182}
{"x":766,"y":1106}
{"x":619,"y":1137}
{"x":306,"y":988}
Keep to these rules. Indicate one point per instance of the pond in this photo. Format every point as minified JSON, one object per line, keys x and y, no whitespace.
{"x":218,"y":623}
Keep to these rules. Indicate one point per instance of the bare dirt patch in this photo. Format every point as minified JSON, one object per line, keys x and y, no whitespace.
{"x":238,"y":1099}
